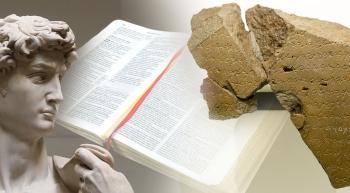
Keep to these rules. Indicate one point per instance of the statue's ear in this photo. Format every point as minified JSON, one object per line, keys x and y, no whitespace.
{"x":3,"y":92}
{"x":4,"y":84}
{"x":7,"y":69}
{"x":7,"y":66}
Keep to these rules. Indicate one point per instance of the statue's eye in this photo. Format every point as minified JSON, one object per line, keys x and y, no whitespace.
{"x":39,"y":77}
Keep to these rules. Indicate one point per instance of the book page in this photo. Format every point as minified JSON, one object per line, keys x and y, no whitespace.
{"x":115,"y":69}
{"x":173,"y":128}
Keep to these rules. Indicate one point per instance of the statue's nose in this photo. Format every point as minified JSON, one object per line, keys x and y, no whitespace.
{"x":54,"y":95}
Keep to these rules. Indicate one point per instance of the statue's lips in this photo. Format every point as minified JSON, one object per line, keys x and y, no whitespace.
{"x":49,"y":115}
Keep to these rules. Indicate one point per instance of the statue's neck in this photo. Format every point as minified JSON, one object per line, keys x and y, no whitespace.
{"x":22,"y":163}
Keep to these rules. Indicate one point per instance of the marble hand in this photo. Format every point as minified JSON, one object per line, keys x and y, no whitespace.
{"x":96,"y":174}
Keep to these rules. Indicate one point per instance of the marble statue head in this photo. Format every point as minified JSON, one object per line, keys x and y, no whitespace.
{"x":34,"y":54}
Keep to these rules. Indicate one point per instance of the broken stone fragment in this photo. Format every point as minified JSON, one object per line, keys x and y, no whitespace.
{"x":308,"y":65}
{"x":223,"y":104}
{"x":220,"y":44}
{"x":298,"y":120}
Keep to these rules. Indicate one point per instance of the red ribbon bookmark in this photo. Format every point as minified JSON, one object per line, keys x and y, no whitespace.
{"x":108,"y":142}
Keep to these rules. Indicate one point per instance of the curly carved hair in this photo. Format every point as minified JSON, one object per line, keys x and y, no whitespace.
{"x":22,"y":37}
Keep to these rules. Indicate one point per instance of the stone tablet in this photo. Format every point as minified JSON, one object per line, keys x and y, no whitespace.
{"x":308,"y":67}
{"x":220,"y":44}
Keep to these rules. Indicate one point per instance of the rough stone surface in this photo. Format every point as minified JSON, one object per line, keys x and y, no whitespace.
{"x":220,"y":44}
{"x":308,"y":67}
{"x":223,"y":104}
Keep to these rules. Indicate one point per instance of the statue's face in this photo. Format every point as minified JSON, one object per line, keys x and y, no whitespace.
{"x":33,"y":93}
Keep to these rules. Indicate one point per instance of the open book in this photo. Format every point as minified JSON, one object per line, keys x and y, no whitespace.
{"x":138,"y":90}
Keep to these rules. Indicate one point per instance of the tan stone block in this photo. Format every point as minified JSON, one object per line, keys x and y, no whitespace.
{"x":220,"y":44}
{"x":308,"y":65}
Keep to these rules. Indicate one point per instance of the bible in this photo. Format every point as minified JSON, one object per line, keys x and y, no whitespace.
{"x":137,"y":90}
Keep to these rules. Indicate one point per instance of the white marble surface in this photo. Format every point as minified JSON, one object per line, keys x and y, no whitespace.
{"x":343,"y":190}
{"x":290,"y":167}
